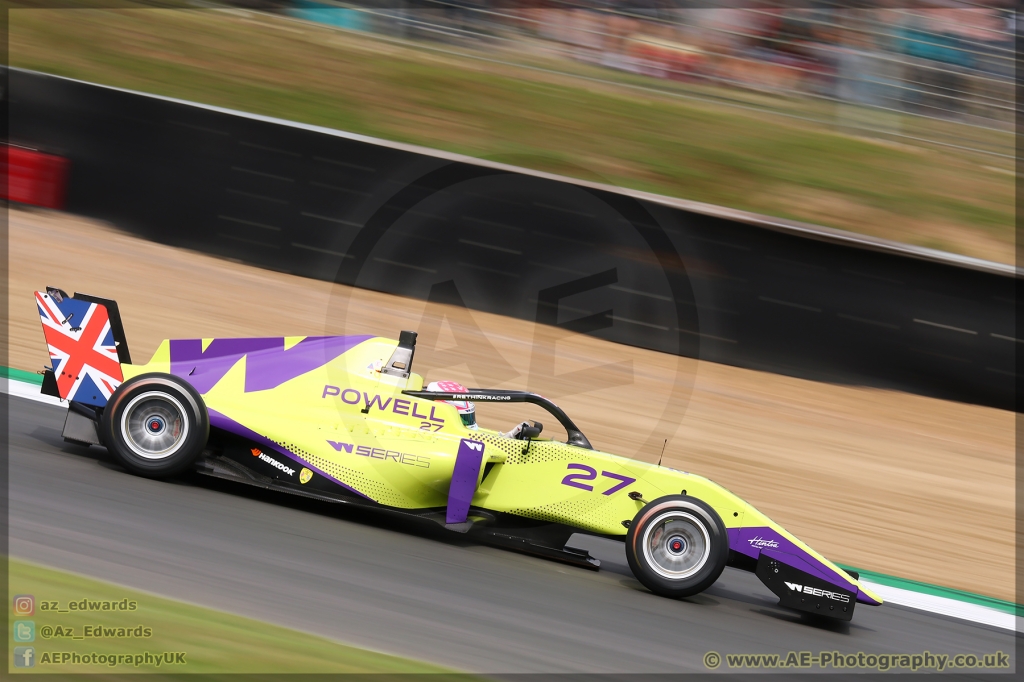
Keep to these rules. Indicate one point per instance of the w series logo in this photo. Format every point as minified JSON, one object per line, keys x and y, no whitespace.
{"x":818,"y":592}
{"x":422,"y":461}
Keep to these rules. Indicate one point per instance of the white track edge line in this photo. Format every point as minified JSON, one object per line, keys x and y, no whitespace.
{"x":946,"y":606}
{"x":24,"y":389}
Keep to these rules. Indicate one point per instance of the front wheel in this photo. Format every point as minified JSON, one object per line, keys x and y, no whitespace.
{"x":156,"y":425}
{"x":677,"y":546}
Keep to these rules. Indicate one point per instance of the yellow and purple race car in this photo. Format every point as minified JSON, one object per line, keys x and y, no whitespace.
{"x":345,"y":419}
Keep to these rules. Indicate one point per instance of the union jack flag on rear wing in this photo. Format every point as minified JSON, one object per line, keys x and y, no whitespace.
{"x":84,"y":352}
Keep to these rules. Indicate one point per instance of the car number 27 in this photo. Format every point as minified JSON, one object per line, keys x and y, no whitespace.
{"x":590,"y":474}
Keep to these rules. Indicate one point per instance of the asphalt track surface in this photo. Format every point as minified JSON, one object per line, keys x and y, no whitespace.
{"x":416,"y":591}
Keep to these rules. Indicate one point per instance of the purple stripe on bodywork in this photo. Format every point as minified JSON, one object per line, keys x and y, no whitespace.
{"x":464,"y":480}
{"x":865,"y":599}
{"x":268,"y":364}
{"x":225,"y":423}
{"x":752,"y":541}
{"x":202,"y":368}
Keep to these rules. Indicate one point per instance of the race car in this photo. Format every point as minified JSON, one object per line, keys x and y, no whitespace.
{"x":345,"y":419}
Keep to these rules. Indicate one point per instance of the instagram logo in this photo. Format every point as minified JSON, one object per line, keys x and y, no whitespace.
{"x":24,"y":605}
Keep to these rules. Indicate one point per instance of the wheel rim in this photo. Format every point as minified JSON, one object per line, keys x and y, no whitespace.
{"x":676,"y":545}
{"x":153,"y":425}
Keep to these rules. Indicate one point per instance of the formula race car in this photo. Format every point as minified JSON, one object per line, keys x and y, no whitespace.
{"x":344,"y":419}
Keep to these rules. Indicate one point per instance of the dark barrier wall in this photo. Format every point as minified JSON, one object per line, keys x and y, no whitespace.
{"x":337,"y":207}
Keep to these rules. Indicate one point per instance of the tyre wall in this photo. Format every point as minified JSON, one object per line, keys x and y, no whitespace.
{"x":644,"y":271}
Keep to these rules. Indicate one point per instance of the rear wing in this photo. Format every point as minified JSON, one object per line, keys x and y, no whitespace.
{"x":87,"y":346}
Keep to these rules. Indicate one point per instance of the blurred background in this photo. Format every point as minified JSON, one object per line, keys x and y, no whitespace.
{"x":895,"y":122}
{"x":936,"y":74}
{"x":944,"y":62}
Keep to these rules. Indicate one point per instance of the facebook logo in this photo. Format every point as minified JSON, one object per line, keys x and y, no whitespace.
{"x":24,"y":656}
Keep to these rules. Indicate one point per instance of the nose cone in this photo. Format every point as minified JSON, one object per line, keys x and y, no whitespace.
{"x":866,"y":596}
{"x":777,"y":544}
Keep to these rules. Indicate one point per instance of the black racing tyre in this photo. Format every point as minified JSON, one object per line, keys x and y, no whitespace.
{"x":155,"y":425}
{"x":677,"y":546}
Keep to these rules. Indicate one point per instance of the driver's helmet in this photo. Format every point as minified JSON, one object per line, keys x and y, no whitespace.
{"x":467,"y":410}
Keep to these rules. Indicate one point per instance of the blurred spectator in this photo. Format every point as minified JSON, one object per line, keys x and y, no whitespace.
{"x":943,"y":62}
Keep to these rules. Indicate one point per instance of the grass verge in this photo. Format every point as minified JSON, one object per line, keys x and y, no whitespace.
{"x":213,"y":642}
{"x":655,"y":142}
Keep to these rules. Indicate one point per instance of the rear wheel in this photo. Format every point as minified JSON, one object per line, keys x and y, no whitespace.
{"x":155,"y":425}
{"x":677,"y":546}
